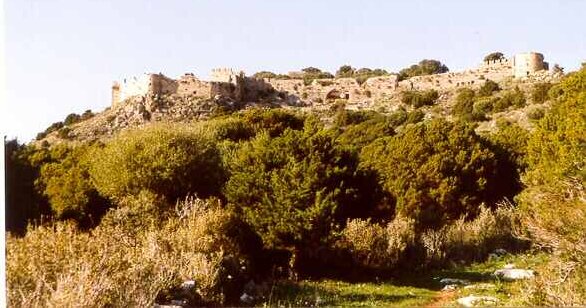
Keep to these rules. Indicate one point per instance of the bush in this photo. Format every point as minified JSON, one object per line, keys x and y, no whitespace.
{"x":66,"y":184}
{"x":554,"y":182}
{"x":471,"y":240}
{"x":484,"y":105}
{"x":539,"y":92}
{"x":171,"y":161}
{"x":273,"y":121}
{"x":377,"y":246}
{"x":419,"y":99}
{"x":23,"y":202}
{"x":436,"y":172}
{"x":535,"y":114}
{"x":488,"y":88}
{"x":464,"y":102}
{"x":510,"y":98}
{"x":424,"y":67}
{"x":359,"y":135}
{"x":291,"y":189}
{"x":64,"y":133}
{"x":494,"y":56}
{"x":120,"y":267}
{"x":415,"y":116}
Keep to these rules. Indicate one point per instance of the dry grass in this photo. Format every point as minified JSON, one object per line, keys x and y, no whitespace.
{"x":471,"y":240}
{"x":59,"y":266}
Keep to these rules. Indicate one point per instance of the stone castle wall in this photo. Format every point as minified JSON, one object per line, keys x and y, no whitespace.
{"x":233,"y":84}
{"x":526,"y":64}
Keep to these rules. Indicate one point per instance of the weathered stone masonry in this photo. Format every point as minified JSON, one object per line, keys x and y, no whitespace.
{"x":234,"y":85}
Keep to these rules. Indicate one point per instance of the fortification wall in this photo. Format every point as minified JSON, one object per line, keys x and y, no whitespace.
{"x":525,"y":64}
{"x":189,"y":85}
{"x":134,"y":86}
{"x":233,"y":84}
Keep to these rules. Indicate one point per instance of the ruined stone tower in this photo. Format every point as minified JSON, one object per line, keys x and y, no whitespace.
{"x":528,"y":63}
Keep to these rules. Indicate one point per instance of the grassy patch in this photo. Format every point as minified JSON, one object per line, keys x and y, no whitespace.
{"x":338,"y":293}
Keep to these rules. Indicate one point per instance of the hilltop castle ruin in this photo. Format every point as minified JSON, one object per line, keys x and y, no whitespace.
{"x":232,"y":84}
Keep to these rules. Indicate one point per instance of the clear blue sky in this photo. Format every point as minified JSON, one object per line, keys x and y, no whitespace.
{"x":62,"y":56}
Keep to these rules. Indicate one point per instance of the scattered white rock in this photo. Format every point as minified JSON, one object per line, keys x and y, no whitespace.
{"x":188,"y":285}
{"x":246,"y":299}
{"x":480,"y":286}
{"x":450,"y":287}
{"x":514,"y":273}
{"x":473,"y":301}
{"x":500,"y":252}
{"x":448,"y":281}
{"x":179,"y":302}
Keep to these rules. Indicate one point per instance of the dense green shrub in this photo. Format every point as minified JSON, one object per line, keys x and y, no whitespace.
{"x":484,"y":105}
{"x":397,"y":118}
{"x":168,"y":160}
{"x":72,"y":118}
{"x":464,"y":106}
{"x":556,"y":156}
{"x":535,"y":113}
{"x":464,"y":102}
{"x":424,"y":67}
{"x":273,"y":121}
{"x":66,"y":183}
{"x":488,"y":88}
{"x":23,"y":203}
{"x":494,"y":56}
{"x":436,"y":172}
{"x":415,"y":116}
{"x":539,"y":92}
{"x":514,"y":98}
{"x":345,"y":71}
{"x":419,"y":98}
{"x":359,"y":135}
{"x":291,"y":188}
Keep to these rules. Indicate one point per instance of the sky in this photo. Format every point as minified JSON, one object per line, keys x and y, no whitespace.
{"x":61,"y":56}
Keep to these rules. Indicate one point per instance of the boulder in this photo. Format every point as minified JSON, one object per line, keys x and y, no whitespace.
{"x":454,"y":281}
{"x":473,"y":301}
{"x":514,"y":273}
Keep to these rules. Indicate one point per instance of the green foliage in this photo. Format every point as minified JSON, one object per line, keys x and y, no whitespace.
{"x":556,"y":156}
{"x":168,"y":160}
{"x":539,"y":92}
{"x":424,"y":67}
{"x":464,"y":106}
{"x":484,"y":105}
{"x":264,"y":74}
{"x":359,"y":135}
{"x":494,"y":56}
{"x":272,"y":121}
{"x":312,"y":73}
{"x":419,"y":98}
{"x":72,"y":118}
{"x":66,"y":183}
{"x":345,"y":71}
{"x":23,"y":203}
{"x":535,"y":113}
{"x":415,"y":116}
{"x":398,"y":117}
{"x":514,"y":98}
{"x":291,"y":188}
{"x":488,"y":88}
{"x":436,"y":172}
{"x":64,"y":133}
